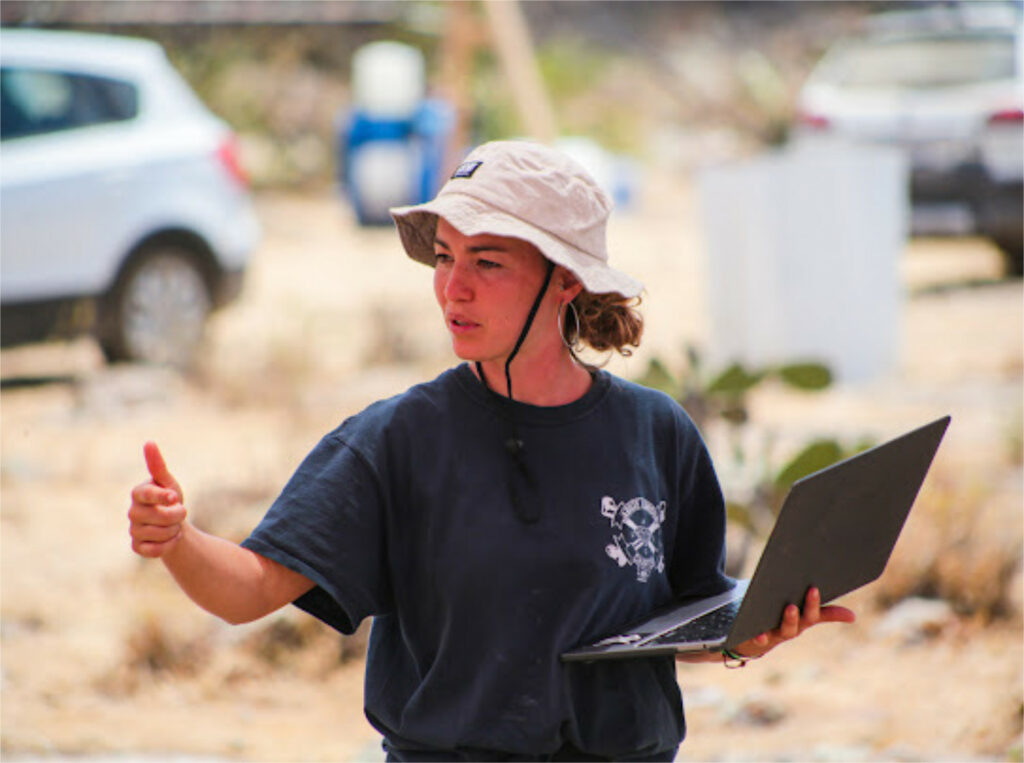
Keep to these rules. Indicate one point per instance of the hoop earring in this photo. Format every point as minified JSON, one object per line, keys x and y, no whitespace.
{"x":561,"y":328}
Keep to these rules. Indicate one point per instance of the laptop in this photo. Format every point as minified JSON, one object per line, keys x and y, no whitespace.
{"x":836,"y":530}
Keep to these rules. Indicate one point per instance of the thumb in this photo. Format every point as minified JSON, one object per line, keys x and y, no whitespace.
{"x":158,"y":468}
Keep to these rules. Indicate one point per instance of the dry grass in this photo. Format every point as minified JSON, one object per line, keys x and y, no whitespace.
{"x":289,"y":645}
{"x":962,"y":544}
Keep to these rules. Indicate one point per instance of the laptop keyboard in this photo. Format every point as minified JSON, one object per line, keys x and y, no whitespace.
{"x":708,"y":627}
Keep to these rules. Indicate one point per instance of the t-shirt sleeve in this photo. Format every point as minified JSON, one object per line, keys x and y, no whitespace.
{"x":698,"y":567}
{"x":327,"y":524}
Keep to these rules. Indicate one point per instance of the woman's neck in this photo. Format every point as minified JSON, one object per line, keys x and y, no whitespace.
{"x":559,"y":381}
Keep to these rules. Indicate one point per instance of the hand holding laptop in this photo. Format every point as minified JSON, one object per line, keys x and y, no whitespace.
{"x":794,"y":622}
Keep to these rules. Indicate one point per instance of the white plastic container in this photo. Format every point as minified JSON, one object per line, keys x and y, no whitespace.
{"x":384,"y":171}
{"x":388,"y":80}
{"x":803,"y":252}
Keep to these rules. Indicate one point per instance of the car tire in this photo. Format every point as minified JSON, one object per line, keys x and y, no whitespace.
{"x":1013,"y":255}
{"x":156,"y":312}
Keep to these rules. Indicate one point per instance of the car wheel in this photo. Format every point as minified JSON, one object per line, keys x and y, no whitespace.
{"x":1013,"y":255}
{"x":157,"y":311}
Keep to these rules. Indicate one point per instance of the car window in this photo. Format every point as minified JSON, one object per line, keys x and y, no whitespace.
{"x":38,"y":101}
{"x":925,"y":62}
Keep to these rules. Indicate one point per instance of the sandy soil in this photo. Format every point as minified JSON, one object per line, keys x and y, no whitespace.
{"x":104,"y":658}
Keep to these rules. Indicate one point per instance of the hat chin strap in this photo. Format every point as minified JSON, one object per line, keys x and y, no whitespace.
{"x":528,"y":512}
{"x":522,"y":334}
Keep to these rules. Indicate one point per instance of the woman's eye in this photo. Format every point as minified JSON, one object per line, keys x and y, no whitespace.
{"x":440,"y":258}
{"x":488,"y":264}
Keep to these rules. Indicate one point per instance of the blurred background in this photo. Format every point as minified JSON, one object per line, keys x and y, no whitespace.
{"x":823,"y":199}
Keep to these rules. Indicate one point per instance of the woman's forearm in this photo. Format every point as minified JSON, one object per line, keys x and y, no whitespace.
{"x":232,"y":582}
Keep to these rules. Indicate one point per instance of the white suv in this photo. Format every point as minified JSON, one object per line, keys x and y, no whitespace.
{"x":125,"y":211}
{"x":946,"y":85}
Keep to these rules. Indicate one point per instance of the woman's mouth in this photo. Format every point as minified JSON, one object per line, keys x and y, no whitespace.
{"x":459,"y":324}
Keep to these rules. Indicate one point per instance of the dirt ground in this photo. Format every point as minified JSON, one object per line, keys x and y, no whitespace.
{"x":103,"y":659}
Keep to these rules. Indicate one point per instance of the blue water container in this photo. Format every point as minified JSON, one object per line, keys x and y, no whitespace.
{"x":385,"y":162}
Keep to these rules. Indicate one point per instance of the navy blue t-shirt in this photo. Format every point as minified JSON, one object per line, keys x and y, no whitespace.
{"x":403,"y":513}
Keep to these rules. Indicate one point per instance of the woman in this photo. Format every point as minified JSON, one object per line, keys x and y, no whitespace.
{"x":468,"y":515}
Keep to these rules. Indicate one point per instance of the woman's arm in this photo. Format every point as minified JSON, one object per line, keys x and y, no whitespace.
{"x":232,"y":582}
{"x":223,"y":578}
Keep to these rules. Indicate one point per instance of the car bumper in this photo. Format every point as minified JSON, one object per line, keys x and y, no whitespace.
{"x":965,"y":200}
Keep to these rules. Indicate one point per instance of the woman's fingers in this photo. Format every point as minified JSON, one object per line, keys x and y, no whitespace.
{"x":149,"y":494}
{"x":812,"y":607}
{"x":154,"y":533}
{"x":153,"y":540}
{"x":790,"y":625}
{"x":795,"y":621}
{"x":156,"y":513}
{"x":836,"y":614}
{"x":158,"y":467}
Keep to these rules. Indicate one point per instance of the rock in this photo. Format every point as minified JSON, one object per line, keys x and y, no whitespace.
{"x":758,"y":710}
{"x":916,"y":619}
{"x":840,"y":753}
{"x":705,"y":696}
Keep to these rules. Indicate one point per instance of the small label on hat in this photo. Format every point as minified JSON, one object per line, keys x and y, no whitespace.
{"x":466,"y":169}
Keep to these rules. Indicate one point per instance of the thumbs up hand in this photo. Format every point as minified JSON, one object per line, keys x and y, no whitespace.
{"x":157,"y":514}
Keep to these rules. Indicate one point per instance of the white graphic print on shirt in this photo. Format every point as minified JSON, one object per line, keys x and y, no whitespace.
{"x":637,"y":534}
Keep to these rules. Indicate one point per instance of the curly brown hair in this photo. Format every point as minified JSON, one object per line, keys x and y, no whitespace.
{"x":605,"y":322}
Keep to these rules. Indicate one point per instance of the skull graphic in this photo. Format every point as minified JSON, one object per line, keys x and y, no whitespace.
{"x":637,"y":539}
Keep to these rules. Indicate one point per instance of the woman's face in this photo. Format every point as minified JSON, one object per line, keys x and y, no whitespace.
{"x":486,"y":285}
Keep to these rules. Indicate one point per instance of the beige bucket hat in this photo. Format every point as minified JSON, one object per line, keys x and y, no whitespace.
{"x":527,"y":191}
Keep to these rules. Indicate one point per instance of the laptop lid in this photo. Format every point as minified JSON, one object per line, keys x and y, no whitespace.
{"x":837,"y":528}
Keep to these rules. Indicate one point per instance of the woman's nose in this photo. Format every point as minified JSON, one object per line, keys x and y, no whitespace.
{"x":457,"y":287}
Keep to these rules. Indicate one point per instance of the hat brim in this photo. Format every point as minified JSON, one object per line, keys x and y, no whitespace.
{"x":417,"y":225}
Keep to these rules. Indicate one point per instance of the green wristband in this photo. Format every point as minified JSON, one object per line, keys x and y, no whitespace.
{"x":738,"y":660}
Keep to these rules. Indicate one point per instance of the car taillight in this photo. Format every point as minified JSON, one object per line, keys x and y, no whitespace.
{"x":814,"y":121}
{"x":1007,"y":116}
{"x":230,"y":159}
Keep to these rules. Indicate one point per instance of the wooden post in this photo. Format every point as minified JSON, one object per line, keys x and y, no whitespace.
{"x":507,"y":33}
{"x":511,"y":38}
{"x":462,"y":36}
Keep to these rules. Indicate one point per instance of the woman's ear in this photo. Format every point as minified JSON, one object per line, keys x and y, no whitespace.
{"x":569,"y":286}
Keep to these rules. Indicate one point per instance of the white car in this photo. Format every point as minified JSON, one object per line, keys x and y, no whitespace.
{"x":125,"y":210}
{"x":947,"y":86}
